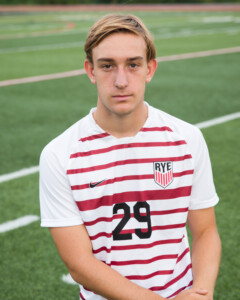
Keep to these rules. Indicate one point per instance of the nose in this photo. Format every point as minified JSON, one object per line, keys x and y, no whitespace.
{"x":121,"y":80}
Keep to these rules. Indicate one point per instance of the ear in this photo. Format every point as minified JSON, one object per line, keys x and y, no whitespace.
{"x":151,"y":68}
{"x":88,"y":66}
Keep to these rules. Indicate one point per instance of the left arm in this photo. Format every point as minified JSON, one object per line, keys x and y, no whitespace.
{"x":206,"y":249}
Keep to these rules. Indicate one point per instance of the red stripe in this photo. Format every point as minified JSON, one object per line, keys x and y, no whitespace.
{"x":109,"y":200}
{"x":181,"y":289}
{"x":183,"y":254}
{"x":81,"y":296}
{"x":144,"y":277}
{"x":129,"y":177}
{"x":94,"y":137}
{"x":141,"y":246}
{"x":162,"y":227}
{"x":117,"y":179}
{"x":160,"y":288}
{"x":124,"y":146}
{"x":105,"y":134}
{"x":179,"y":174}
{"x":170,"y":211}
{"x":143,"y":261}
{"x":126,"y":162}
{"x":164,"y":128}
{"x":120,"y":216}
{"x":166,"y":227}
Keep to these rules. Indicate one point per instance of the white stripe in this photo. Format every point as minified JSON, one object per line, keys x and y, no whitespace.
{"x":42,"y":77}
{"x":68,"y":279}
{"x":41,"y":47}
{"x":82,"y":71}
{"x":218,"y":120}
{"x":18,"y":174}
{"x":189,"y":33}
{"x":20,"y":222}
{"x":198,"y":54}
{"x":31,"y":170}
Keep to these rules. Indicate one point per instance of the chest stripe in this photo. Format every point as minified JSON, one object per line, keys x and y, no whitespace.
{"x":126,"y":162}
{"x":126,"y":178}
{"x":134,"y":196}
{"x":125,"y":146}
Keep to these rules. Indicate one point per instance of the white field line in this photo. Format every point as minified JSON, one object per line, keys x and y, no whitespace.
{"x":180,"y":34}
{"x":17,"y":223}
{"x":82,"y":71}
{"x":42,"y":77}
{"x":219,"y":120}
{"x":35,"y":169}
{"x":18,"y":174}
{"x":197,"y":54}
{"x":42,"y":47}
{"x":68,"y":279}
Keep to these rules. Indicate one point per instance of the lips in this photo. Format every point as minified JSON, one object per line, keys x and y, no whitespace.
{"x":121,"y":97}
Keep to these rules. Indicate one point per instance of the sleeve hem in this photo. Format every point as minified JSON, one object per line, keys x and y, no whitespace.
{"x":61,"y":223}
{"x":205,"y":204}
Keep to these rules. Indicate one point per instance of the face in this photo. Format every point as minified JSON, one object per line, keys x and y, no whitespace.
{"x":120,"y":70}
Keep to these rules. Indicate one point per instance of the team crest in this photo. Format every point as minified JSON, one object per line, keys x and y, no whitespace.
{"x":163,"y":173}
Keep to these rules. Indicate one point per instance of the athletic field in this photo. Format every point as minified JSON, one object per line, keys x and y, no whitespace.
{"x":43,"y":90}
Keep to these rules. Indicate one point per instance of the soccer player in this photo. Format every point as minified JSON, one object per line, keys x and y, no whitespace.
{"x":118,"y":188}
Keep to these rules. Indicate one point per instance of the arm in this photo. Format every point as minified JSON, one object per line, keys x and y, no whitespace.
{"x":75,"y":250}
{"x":206,"y":249}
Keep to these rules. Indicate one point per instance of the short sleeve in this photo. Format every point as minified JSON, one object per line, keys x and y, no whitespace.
{"x":57,"y":206}
{"x":203,"y":190}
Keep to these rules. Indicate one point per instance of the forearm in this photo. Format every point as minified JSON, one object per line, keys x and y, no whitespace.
{"x":206,"y":253}
{"x":103,"y":280}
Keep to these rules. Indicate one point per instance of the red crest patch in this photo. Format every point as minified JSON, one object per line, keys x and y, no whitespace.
{"x":163,"y":173}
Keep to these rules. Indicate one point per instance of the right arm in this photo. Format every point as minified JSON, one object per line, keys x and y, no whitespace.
{"x":75,"y":249}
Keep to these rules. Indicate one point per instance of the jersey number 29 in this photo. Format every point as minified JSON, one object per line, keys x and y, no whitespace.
{"x":117,"y":235}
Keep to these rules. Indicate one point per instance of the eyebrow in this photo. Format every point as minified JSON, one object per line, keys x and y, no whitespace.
{"x":112,"y":60}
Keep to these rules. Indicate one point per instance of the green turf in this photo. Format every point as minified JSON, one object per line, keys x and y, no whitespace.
{"x":32,"y":114}
{"x":223,"y":142}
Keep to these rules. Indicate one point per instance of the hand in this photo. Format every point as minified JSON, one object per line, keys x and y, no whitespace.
{"x":194,"y":294}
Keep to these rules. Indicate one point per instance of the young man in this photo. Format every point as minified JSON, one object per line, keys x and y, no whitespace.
{"x":118,"y":187}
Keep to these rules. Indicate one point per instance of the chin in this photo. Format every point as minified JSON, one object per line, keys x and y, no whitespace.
{"x":123,"y":109}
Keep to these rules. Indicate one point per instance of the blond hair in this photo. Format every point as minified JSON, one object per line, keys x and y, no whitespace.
{"x":118,"y":23}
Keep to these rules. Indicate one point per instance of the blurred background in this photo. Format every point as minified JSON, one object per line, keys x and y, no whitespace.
{"x":43,"y":90}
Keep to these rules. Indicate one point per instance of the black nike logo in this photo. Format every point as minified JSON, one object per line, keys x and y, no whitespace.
{"x":92,"y":185}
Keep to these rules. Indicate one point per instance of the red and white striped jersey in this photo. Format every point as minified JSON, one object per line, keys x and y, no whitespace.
{"x":132,"y":194}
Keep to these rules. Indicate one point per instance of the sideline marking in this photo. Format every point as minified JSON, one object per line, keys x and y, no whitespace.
{"x":180,"y":34}
{"x":41,"y":47}
{"x":197,"y":54}
{"x":42,"y":77}
{"x":219,"y":120}
{"x":18,"y":174}
{"x":68,"y":279}
{"x":35,"y":169}
{"x":82,"y":71}
{"x":20,"y":222}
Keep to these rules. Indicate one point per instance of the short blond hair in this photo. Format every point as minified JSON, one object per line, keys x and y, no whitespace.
{"x":113,"y":23}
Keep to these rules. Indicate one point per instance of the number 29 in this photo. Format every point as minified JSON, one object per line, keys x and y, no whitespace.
{"x":117,"y":235}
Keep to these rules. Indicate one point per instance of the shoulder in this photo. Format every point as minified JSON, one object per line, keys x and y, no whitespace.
{"x":176,"y":125}
{"x":184,"y":130}
{"x":59,"y":148}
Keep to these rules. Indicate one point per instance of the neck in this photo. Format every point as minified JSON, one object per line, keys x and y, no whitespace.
{"x":125,"y":125}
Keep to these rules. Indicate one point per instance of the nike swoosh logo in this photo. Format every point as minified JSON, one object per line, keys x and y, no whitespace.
{"x":92,"y":185}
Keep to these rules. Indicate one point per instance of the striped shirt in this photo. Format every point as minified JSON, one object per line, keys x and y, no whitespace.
{"x":132,"y":194}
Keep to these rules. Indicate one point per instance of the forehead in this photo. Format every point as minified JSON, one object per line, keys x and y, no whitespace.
{"x":120,"y":46}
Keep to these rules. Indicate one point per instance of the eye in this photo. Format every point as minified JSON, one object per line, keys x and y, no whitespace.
{"x":106,"y":67}
{"x":133,"y":65}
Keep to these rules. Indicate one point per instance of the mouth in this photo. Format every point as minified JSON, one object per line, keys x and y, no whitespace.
{"x":121,"y":97}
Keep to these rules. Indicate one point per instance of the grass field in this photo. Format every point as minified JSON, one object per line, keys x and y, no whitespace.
{"x":32,"y":114}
